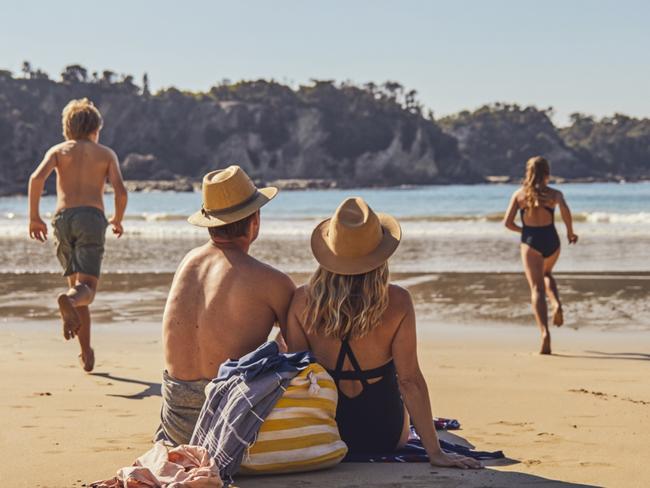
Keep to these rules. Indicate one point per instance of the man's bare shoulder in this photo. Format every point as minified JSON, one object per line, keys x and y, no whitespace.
{"x":194,"y":256}
{"x":267,"y":272}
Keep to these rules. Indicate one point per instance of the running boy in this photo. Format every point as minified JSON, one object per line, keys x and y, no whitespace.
{"x":82,"y":166}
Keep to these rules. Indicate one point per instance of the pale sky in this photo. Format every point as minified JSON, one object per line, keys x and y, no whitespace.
{"x":591,"y":56}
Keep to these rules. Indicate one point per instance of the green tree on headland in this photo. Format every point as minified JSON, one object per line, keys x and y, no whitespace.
{"x":74,"y":73}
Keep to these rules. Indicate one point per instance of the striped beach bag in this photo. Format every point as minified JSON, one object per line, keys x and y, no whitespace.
{"x":300,"y":433}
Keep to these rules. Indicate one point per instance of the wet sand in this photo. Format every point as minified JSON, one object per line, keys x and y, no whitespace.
{"x":578,"y":418}
{"x":601,"y":300}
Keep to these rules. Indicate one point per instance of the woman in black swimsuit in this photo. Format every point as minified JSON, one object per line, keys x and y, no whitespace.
{"x":362,"y":329}
{"x":540,"y":244}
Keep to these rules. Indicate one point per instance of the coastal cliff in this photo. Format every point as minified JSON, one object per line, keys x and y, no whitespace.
{"x":340,"y":134}
{"x":351,"y":135}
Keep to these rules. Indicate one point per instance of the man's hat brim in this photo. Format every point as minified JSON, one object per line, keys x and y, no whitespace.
{"x":211,"y":218}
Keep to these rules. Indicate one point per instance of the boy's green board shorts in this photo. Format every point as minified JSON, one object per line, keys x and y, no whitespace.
{"x":80,"y":234}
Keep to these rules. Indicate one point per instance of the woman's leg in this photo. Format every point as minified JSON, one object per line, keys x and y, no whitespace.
{"x":534,"y":269}
{"x":551,"y":288}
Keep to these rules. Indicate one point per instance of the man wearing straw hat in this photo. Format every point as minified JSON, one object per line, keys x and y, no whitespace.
{"x":223,"y":303}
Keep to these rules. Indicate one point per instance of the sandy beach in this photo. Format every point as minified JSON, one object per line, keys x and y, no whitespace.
{"x":578,"y":418}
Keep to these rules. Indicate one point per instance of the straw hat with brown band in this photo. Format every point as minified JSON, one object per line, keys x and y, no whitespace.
{"x":229,"y":195}
{"x":355,"y":240}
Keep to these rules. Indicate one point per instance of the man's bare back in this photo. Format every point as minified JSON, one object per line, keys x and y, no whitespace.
{"x":223,"y":304}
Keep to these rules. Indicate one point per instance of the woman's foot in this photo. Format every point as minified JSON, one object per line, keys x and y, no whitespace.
{"x":69,"y":315}
{"x":558,"y":317}
{"x":87,"y":360}
{"x":546,"y":344}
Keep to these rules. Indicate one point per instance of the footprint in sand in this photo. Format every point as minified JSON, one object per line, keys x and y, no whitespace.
{"x":532,"y":462}
{"x":546,"y":437}
{"x":511,"y":424}
{"x":521,"y":426}
{"x":590,"y":464}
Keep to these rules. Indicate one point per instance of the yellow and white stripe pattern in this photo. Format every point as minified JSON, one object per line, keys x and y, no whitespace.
{"x":300,"y":433}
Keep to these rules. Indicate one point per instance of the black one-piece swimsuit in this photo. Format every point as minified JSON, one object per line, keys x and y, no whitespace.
{"x":372,"y":421}
{"x":543,"y":239}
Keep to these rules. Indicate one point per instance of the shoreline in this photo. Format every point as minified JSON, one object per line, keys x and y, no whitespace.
{"x":577,"y":418}
{"x":192,"y":184}
{"x":597,"y":301}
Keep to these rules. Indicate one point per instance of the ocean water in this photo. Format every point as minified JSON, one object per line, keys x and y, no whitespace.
{"x":454,"y":228}
{"x":456,"y":258}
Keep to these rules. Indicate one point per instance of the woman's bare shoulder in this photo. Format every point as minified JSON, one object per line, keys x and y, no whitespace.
{"x":399,"y":298}
{"x":554,"y":194}
{"x":299,"y":297}
{"x":519,"y":194}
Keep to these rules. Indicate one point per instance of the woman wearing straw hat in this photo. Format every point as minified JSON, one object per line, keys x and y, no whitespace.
{"x":363,"y":330}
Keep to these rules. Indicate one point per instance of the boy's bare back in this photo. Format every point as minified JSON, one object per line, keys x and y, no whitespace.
{"x":82,"y":169}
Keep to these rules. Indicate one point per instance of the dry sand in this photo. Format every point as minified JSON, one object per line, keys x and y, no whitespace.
{"x":578,"y":418}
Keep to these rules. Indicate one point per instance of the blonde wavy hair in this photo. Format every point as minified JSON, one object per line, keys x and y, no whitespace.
{"x":341,"y":306}
{"x":537,"y":170}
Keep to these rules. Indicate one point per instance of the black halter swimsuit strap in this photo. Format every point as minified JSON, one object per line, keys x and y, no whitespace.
{"x":357,"y":373}
{"x":371,"y":421}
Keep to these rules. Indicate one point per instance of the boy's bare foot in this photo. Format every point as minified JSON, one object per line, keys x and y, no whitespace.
{"x":69,"y":315}
{"x":87,"y":360}
{"x":558,"y":317}
{"x":546,"y":344}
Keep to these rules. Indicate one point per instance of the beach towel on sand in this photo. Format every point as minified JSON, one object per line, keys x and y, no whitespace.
{"x":180,"y":467}
{"x":413,"y":452}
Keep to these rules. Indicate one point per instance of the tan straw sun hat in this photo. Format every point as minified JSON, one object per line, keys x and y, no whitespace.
{"x":356,"y":239}
{"x":229,"y":195}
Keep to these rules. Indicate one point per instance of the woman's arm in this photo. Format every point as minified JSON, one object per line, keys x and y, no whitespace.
{"x":511,"y":213}
{"x":567,"y":218}
{"x":295,"y":336}
{"x":415,"y":392}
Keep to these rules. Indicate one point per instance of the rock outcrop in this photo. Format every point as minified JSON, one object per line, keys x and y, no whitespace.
{"x":341,"y":133}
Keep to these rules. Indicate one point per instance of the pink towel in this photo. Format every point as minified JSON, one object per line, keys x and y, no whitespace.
{"x":181,"y":467}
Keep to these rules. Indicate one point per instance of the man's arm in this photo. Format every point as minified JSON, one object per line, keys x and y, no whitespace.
{"x":119,"y":193}
{"x":38,"y":228}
